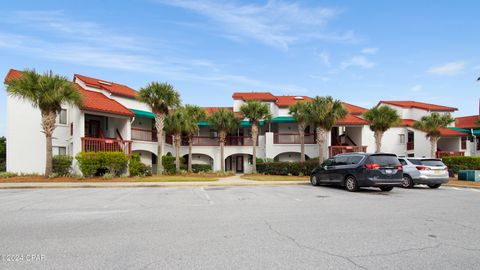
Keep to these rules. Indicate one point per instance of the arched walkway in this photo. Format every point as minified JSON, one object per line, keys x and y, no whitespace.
{"x":289,"y":157}
{"x":199,"y":159}
{"x":147,"y":158}
{"x":239,"y":163}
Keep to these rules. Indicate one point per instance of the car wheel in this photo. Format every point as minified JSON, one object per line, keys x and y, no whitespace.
{"x":351,"y":184}
{"x":407,"y":181}
{"x":434,"y":185}
{"x":314,"y":180}
{"x":386,"y":189}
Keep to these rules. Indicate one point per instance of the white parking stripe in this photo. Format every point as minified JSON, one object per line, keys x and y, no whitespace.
{"x":206,"y":196}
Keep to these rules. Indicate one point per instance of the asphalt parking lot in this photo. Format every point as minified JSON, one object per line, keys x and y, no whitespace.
{"x":284,"y":227}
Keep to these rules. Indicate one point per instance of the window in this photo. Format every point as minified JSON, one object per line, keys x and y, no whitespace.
{"x":59,"y":150}
{"x":354,"y":159}
{"x":403,"y":162}
{"x":62,"y":117}
{"x":464,"y":143}
{"x":341,"y":160}
{"x":401,"y":138}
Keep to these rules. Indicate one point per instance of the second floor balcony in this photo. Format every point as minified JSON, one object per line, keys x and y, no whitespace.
{"x":293,"y":138}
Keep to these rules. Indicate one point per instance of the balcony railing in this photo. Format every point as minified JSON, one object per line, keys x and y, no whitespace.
{"x":213,"y":141}
{"x":148,"y":135}
{"x":293,"y":138}
{"x":106,"y":145}
{"x":440,"y":154}
{"x":410,"y":146}
{"x":335,"y":150}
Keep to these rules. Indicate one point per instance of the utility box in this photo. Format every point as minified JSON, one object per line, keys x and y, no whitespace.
{"x":469,"y":175}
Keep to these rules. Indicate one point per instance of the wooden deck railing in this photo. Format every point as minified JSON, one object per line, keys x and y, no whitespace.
{"x":335,"y":150}
{"x":139,"y":134}
{"x":213,"y":141}
{"x":440,"y":154}
{"x":106,"y":145}
{"x":293,"y":138}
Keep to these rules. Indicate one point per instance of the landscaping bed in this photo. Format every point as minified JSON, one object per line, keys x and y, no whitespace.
{"x":262,"y":177}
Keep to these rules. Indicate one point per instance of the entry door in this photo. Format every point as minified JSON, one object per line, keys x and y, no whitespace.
{"x":93,"y":128}
{"x":239,"y":163}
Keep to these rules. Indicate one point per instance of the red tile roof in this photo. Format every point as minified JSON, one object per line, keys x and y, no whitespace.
{"x":351,"y":119}
{"x":418,"y":105}
{"x":95,"y":101}
{"x":114,"y":88}
{"x":467,"y":121}
{"x":353,"y":109}
{"x":262,"y":96}
{"x":444,"y":132}
{"x":285,"y":101}
{"x":210,"y":110}
{"x":12,"y":74}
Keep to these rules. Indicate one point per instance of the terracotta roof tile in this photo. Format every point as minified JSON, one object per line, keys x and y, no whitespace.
{"x":262,"y":96}
{"x":12,"y":74}
{"x":354,"y":109}
{"x":418,"y":105}
{"x":351,"y":119}
{"x":285,"y":101}
{"x":210,"y":110}
{"x":445,"y":132}
{"x":467,"y":121}
{"x":114,"y":88}
{"x":95,"y":101}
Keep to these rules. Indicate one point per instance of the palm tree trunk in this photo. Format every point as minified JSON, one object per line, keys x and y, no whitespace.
{"x":222,"y":150}
{"x":177,"y":152}
{"x":321,"y":143}
{"x":254,"y":142}
{"x":48,"y":125}
{"x":378,"y":141}
{"x":433,"y":145}
{"x":159,"y":119}
{"x":301,"y":132}
{"x":190,"y":144}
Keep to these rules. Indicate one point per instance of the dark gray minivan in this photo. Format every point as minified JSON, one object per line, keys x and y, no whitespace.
{"x":356,"y":170}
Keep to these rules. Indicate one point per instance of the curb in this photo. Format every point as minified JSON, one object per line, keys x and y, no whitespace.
{"x":461,"y":186}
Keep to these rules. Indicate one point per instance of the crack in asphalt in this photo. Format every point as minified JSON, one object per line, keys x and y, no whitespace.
{"x":301,"y":246}
{"x":398,"y":251}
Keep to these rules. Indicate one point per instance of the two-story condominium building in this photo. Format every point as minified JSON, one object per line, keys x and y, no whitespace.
{"x":111,"y":119}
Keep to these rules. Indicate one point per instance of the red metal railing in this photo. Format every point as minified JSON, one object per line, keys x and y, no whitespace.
{"x":139,"y":134}
{"x":335,"y":150}
{"x":106,"y":145}
{"x":410,"y":145}
{"x":213,"y":141}
{"x":293,"y":138}
{"x":440,"y":154}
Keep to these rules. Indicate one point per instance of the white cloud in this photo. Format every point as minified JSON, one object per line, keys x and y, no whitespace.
{"x":325,"y":58}
{"x":451,"y":68}
{"x":276,"y":23}
{"x":357,"y":61}
{"x":369,"y":50}
{"x":416,"y":88}
{"x":319,"y":77}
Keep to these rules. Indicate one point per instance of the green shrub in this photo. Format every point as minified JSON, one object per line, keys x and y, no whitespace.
{"x":287,"y":168}
{"x":7,"y":174}
{"x":168,"y":163}
{"x":462,"y":163}
{"x":108,"y":176}
{"x":137,"y":168}
{"x":61,"y":165}
{"x":99,"y":163}
{"x":196,"y":168}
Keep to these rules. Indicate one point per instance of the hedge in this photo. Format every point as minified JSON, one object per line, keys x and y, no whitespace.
{"x":137,"y":168}
{"x":99,"y":163}
{"x":456,"y":163}
{"x":168,"y":163}
{"x":287,"y":168}
{"x":196,"y":168}
{"x":61,"y":164}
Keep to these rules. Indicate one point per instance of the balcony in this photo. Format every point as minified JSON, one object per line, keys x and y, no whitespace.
{"x":106,"y":145}
{"x":335,"y":150}
{"x":148,"y":135}
{"x":213,"y":141}
{"x":293,"y":138}
{"x":441,"y":154}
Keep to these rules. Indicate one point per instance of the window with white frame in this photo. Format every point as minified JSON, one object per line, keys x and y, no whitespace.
{"x":62,"y":117}
{"x":401,"y":138}
{"x":59,"y":150}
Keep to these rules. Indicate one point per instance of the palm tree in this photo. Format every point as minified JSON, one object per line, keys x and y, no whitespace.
{"x":175,"y":124}
{"x":380,"y":120}
{"x":324,"y":112}
{"x":255,"y":111}
{"x":299,"y":112}
{"x":47,"y":92}
{"x":194,"y":114}
{"x":431,"y":124}
{"x":223,"y":121}
{"x":161,"y":97}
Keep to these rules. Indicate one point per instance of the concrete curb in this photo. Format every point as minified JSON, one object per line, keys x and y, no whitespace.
{"x":461,"y":186}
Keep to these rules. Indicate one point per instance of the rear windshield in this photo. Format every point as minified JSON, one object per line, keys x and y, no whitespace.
{"x":383,"y":160}
{"x":432,"y":162}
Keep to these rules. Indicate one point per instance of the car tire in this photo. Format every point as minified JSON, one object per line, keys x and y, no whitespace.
{"x":386,"y":189}
{"x":407,"y":181}
{"x":351,"y":184}
{"x":314,"y":180}
{"x":434,"y":185}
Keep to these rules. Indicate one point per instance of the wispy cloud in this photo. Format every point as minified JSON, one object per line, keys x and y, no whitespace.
{"x":324,"y":58}
{"x":369,"y":50}
{"x":357,"y":61}
{"x":276,"y":23}
{"x":416,"y":88}
{"x":451,"y":68}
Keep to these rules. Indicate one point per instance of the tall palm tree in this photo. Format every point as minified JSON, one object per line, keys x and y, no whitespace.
{"x":223,"y":121}
{"x":431,"y":124}
{"x":299,"y":111}
{"x":175,"y":124}
{"x":380,"y":120}
{"x":255,"y":111}
{"x":324,"y":112}
{"x":161,"y":97}
{"x":47,"y":92}
{"x":194,"y":114}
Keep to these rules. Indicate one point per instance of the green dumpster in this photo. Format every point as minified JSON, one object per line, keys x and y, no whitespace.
{"x":469,"y":175}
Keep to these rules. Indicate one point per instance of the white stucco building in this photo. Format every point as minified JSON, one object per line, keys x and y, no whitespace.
{"x":111,"y":119}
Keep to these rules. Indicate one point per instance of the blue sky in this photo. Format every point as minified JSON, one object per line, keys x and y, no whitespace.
{"x":358,"y":51}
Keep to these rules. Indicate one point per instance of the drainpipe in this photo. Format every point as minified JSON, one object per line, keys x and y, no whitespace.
{"x":474,"y":143}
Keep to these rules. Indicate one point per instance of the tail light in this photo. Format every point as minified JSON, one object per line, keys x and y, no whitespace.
{"x":422,"y":168}
{"x":399,"y":167}
{"x":372,"y":166}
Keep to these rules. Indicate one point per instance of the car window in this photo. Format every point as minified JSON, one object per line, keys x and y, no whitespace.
{"x":354,"y":159}
{"x":328,"y":162}
{"x":341,"y":160}
{"x":402,"y":161}
{"x":432,"y":162}
{"x":415,"y":161}
{"x":383,"y":160}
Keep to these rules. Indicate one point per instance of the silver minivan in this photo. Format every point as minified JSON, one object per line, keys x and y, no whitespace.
{"x":428,"y":171}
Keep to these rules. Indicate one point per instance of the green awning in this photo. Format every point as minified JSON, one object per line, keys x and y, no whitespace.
{"x":203,"y":124}
{"x":475,"y":132}
{"x":246,"y":123}
{"x":283,"y":119}
{"x":143,"y":114}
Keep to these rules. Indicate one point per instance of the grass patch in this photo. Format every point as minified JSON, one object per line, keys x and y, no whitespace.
{"x":175,"y":178}
{"x":166,"y":178}
{"x":261,"y":177}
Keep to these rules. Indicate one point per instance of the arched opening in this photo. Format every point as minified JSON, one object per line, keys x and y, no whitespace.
{"x":289,"y":157}
{"x":147,"y":158}
{"x":239,"y":163}
{"x":201,"y":159}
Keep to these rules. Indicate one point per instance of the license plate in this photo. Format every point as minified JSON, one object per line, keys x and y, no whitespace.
{"x":388,"y":171}
{"x":438,"y":172}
